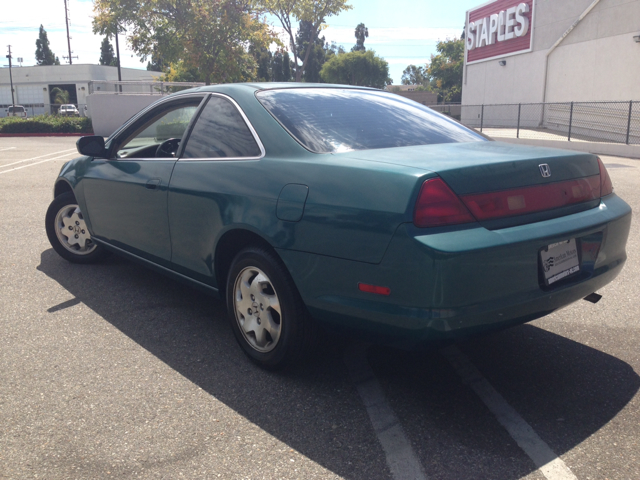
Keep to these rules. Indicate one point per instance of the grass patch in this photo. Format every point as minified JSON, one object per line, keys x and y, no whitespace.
{"x":46,"y":124}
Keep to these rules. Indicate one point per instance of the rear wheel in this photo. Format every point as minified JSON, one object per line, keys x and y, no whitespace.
{"x":266,"y":312}
{"x":68,"y":232}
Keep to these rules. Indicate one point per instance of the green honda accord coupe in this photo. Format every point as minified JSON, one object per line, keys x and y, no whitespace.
{"x":304,"y":205}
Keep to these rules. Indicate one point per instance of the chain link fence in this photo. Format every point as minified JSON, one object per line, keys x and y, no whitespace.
{"x":29,"y":110}
{"x":608,"y":122}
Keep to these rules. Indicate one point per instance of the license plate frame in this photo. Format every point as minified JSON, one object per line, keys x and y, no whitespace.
{"x":559,"y":261}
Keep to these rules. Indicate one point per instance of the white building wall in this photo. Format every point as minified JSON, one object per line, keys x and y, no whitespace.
{"x":31,"y":84}
{"x":109,"y":112}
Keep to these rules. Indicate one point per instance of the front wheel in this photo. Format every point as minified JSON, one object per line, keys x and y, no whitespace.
{"x":267,"y":315}
{"x":68,"y":232}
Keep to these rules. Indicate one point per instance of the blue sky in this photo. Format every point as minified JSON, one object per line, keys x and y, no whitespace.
{"x":401,"y":31}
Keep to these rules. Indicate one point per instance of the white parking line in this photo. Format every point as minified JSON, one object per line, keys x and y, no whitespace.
{"x":36,"y":158}
{"x":402,"y":461}
{"x":8,"y":148}
{"x":549,"y":464}
{"x":37,"y":163}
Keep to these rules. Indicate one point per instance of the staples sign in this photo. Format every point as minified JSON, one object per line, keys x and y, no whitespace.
{"x":498,"y":29}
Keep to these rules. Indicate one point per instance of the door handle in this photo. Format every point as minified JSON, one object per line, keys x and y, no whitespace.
{"x":153,"y":183}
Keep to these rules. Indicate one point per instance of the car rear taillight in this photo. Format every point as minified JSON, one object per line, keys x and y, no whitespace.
{"x":364,"y":287}
{"x":520,"y":201}
{"x":437,"y":205}
{"x":606,"y":187}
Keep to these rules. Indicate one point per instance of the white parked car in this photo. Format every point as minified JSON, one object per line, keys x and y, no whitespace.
{"x":69,"y":111}
{"x":16,"y":111}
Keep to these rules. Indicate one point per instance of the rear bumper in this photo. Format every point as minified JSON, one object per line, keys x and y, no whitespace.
{"x":452,"y":283}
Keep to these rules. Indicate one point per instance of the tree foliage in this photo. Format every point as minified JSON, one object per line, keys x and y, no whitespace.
{"x":414,"y":75}
{"x":281,"y":67}
{"x":444,"y":72}
{"x":313,"y":11}
{"x":317,"y":54}
{"x":208,"y":38}
{"x":357,"y":68}
{"x":156,"y":64}
{"x":59,"y":96}
{"x":361,"y":33}
{"x":107,"y":55}
{"x":44,"y":55}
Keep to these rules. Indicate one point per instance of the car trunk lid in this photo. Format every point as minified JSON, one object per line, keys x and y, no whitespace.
{"x":536,"y":183}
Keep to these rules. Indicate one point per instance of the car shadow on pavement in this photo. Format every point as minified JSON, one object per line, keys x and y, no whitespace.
{"x":315,"y":409}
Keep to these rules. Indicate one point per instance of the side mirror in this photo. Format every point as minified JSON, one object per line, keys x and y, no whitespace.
{"x":91,"y":146}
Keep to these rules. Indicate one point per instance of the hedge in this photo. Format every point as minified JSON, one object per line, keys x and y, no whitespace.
{"x":46,"y":124}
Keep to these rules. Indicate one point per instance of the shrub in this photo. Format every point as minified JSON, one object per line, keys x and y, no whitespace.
{"x":46,"y":124}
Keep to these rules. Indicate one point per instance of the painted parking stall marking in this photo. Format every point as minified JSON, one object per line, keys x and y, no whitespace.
{"x":547,"y":462}
{"x":401,"y":459}
{"x":68,"y":153}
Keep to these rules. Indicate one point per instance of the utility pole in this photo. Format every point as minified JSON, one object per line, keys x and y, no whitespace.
{"x":13,"y":101}
{"x":66,"y":18}
{"x":118,"y":55}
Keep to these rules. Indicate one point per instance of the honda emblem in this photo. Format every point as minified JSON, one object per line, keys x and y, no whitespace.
{"x":545,"y":171}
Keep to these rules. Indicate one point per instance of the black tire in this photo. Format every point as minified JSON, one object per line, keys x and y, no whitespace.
{"x":76,"y":246}
{"x":296,"y":332}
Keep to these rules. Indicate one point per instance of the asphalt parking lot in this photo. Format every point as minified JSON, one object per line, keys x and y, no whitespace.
{"x":113,"y":371}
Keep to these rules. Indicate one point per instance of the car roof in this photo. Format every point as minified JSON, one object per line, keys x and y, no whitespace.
{"x":260,"y":86}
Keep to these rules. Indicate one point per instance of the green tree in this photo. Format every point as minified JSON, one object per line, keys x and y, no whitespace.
{"x":107,"y":56}
{"x":207,"y":36}
{"x":333,"y":49}
{"x":59,"y":96}
{"x":317,"y":54}
{"x":313,"y":11}
{"x":263,"y":58}
{"x":156,"y":64}
{"x":44,"y":55}
{"x":444,"y":72}
{"x":280,"y":67}
{"x":286,"y":67}
{"x":413,"y":75}
{"x":357,"y":68}
{"x":361,"y":33}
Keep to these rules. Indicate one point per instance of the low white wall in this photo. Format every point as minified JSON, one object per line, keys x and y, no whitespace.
{"x":612,"y":149}
{"x":108,"y":112}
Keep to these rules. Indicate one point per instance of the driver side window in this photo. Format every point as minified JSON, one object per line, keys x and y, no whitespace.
{"x":168,"y":122}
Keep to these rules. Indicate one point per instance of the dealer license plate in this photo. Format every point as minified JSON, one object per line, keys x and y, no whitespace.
{"x":559,"y":260}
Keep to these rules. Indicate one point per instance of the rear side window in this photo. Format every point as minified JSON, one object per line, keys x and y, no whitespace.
{"x":221,"y":132}
{"x":328,"y":120}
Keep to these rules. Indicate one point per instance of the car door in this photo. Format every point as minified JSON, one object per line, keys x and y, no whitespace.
{"x":213,"y":184}
{"x":126,"y":193}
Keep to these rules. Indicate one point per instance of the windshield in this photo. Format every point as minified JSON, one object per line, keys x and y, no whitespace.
{"x":333,"y":120}
{"x":16,"y":109}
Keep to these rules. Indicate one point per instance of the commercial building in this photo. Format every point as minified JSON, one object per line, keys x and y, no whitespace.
{"x":545,"y":51}
{"x":33,"y":85}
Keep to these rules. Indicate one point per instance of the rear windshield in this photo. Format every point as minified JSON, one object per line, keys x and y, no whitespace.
{"x":328,"y":120}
